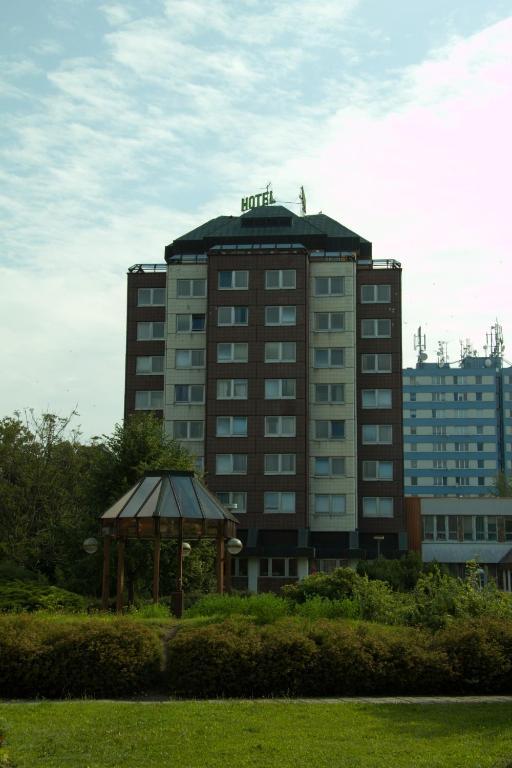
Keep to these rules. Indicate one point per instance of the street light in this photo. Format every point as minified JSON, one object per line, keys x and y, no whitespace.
{"x":186,"y":549}
{"x":234,"y":546}
{"x":90,"y":545}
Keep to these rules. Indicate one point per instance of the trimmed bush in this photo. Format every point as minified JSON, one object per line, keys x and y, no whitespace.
{"x":87,"y":658}
{"x":264,"y":608}
{"x":20,"y":595}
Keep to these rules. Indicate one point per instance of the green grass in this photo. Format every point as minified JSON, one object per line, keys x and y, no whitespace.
{"x":257,"y":734}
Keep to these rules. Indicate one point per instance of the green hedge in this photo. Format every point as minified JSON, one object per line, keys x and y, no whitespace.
{"x":86,"y":658}
{"x":17,"y":595}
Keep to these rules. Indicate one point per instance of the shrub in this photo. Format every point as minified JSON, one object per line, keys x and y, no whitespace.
{"x":86,"y":658}
{"x":31,"y":596}
{"x":334,"y":586}
{"x":401,"y":575}
{"x":321,"y":608}
{"x":265,"y":608}
{"x":284,"y":657}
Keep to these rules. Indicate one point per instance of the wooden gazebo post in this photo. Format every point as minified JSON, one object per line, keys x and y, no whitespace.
{"x":220,"y":559}
{"x":156,"y":562}
{"x":120,"y":575}
{"x":105,"y":582}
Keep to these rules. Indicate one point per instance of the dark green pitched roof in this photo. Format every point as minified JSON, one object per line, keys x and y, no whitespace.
{"x":268,"y":224}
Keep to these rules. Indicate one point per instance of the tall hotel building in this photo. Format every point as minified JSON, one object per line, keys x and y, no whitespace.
{"x":270,"y":344}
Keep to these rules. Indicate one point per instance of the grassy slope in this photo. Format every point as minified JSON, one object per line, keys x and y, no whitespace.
{"x":257,"y":734}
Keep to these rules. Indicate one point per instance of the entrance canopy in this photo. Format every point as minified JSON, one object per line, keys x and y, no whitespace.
{"x":169,"y":503}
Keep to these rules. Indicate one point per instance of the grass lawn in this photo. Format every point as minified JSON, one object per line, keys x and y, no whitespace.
{"x":232,"y":734}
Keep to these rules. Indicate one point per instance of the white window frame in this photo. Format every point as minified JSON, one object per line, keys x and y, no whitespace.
{"x":281,"y":460}
{"x":331,"y":500}
{"x":280,"y":384}
{"x":330,"y":328}
{"x":280,"y":423}
{"x":232,"y":312}
{"x":189,"y":401}
{"x":189,"y":424}
{"x":330,"y":397}
{"x":377,"y":476}
{"x":190,"y":317}
{"x":378,"y":501}
{"x":278,"y":510}
{"x":290,"y":568}
{"x":330,"y":463}
{"x":233,"y":459}
{"x":196,"y":288}
{"x":379,"y":439}
{"x":281,"y":273}
{"x":230,"y":422}
{"x":281,"y":309}
{"x":197,"y":352}
{"x":151,"y":325}
{"x":329,"y":351}
{"x":330,"y":291}
{"x":329,"y":435}
{"x":234,"y":497}
{"x":236,"y":348}
{"x":151,"y":302}
{"x":376,"y":395}
{"x":376,"y":290}
{"x":375,"y":332}
{"x":239,"y":280}
{"x":151,"y":358}
{"x":150,"y":395}
{"x":280,"y":348}
{"x":382,"y":362}
{"x":233,"y":383}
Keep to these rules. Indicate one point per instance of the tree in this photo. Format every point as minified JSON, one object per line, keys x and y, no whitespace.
{"x":503,"y":485}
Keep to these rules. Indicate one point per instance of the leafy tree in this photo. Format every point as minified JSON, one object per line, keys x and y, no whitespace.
{"x":503,"y":485}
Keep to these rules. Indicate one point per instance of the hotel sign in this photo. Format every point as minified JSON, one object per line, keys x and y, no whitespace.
{"x":257,"y":201}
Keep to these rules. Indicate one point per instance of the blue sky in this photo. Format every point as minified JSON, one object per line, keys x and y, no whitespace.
{"x":126,"y":124}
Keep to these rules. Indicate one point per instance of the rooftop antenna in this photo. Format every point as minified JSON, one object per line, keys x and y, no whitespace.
{"x":496,"y":342}
{"x":420,"y":343}
{"x":442,"y":354}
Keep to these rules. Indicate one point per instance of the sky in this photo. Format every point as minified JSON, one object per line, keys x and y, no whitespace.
{"x":126,"y":124}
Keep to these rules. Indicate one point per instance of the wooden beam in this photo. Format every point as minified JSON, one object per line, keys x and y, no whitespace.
{"x":105,"y":582}
{"x":156,"y":565}
{"x":120,"y":575}
{"x":220,"y":560}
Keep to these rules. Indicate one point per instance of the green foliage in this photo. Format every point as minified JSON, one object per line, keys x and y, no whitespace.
{"x":264,"y":608}
{"x":83,"y":658}
{"x":333,"y":586}
{"x":150,"y":611}
{"x":31,"y":596}
{"x":401,"y":575}
{"x":503,"y":485}
{"x":317,"y":607}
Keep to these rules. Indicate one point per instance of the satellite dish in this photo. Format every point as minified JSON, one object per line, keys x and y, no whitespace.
{"x":487,"y":362}
{"x":423,"y":356}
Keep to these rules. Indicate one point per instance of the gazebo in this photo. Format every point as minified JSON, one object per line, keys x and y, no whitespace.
{"x":167,"y":504}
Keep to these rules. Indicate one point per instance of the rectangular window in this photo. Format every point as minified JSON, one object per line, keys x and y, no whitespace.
{"x":149,"y":400}
{"x":440,"y":481}
{"x":376,"y":398}
{"x":233,"y":280}
{"x":377,"y":433}
{"x":439,"y":464}
{"x":461,"y":463}
{"x":188,"y":430}
{"x":461,"y":447}
{"x":428,"y":529}
{"x":462,"y":481}
{"x":453,"y":532}
{"x":492,"y":528}
{"x":440,"y":525}
{"x":231,"y":426}
{"x":377,"y":470}
{"x":329,"y":321}
{"x":232,"y":315}
{"x":231,"y":464}
{"x":280,"y":315}
{"x":329,"y":466}
{"x":376,"y":363}
{"x":508,"y":529}
{"x":331,"y":504}
{"x":189,"y":393}
{"x":279,"y":502}
{"x":151,"y":297}
{"x":149,"y":364}
{"x":328,"y":357}
{"x":284,"y":567}
{"x":378,"y":506}
{"x":280,"y":351}
{"x":375,"y":329}
{"x":232,"y":389}
{"x":329,"y":429}
{"x":191,"y":288}
{"x":279,"y":463}
{"x":280,"y":389}
{"x":150,"y":331}
{"x":190,"y":323}
{"x":232,"y":352}
{"x":280,"y":426}
{"x":467,"y":528}
{"x":329,"y":286}
{"x":440,"y":431}
{"x":375,"y":294}
{"x":329,"y":393}
{"x":438,"y":397}
{"x":232,"y":499}
{"x":190,"y":358}
{"x":280,"y":278}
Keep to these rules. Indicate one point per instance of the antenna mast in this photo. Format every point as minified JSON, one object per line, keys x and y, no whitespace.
{"x":420,"y":344}
{"x":442,"y":354}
